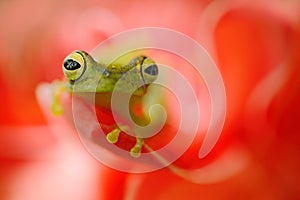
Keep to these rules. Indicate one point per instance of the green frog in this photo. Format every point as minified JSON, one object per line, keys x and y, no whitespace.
{"x":84,"y":74}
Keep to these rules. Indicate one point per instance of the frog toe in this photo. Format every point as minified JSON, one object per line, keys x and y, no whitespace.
{"x":113,"y":136}
{"x":137,"y":149}
{"x":135,"y":152}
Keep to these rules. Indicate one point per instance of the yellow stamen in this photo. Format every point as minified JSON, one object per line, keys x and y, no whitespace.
{"x":56,"y":107}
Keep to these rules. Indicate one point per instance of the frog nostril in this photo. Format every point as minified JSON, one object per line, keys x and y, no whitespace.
{"x":106,"y":73}
{"x":152,"y":70}
{"x":71,"y":64}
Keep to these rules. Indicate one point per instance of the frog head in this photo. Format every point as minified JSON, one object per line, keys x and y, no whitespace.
{"x":82,"y":70}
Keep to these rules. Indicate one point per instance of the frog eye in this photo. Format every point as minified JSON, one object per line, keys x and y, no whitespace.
{"x":71,"y":64}
{"x":74,"y":65}
{"x":149,"y":70}
{"x":152,"y":70}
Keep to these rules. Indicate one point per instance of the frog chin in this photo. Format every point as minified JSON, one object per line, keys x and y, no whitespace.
{"x":72,"y":75}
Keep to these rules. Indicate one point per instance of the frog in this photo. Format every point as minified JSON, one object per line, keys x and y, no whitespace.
{"x":82,"y":73}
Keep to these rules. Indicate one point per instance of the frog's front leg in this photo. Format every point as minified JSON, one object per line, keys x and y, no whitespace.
{"x":137,"y":149}
{"x":113,"y":136}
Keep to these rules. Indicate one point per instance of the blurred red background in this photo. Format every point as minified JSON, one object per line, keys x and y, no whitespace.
{"x":256,"y":46}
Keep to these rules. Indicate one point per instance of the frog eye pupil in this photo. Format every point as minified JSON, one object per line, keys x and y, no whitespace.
{"x":71,"y":64}
{"x":152,"y":70}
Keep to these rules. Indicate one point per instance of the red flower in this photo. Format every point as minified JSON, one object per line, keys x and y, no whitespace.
{"x":256,"y":46}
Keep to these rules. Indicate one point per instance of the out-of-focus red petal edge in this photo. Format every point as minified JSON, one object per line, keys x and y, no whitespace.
{"x":29,"y":144}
